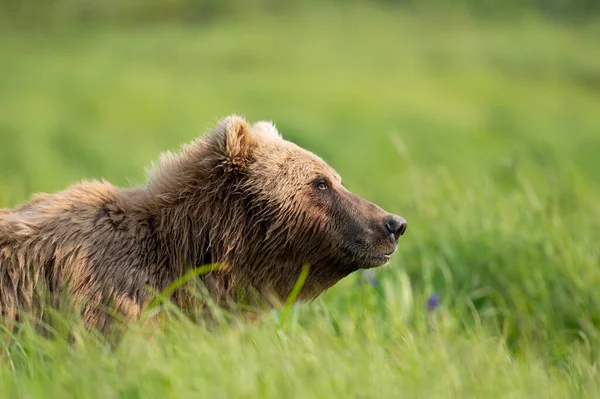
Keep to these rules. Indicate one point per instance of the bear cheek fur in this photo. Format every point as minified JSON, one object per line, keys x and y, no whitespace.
{"x":295,"y":222}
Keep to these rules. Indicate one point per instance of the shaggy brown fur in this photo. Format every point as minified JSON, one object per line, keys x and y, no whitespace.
{"x":240,"y":196}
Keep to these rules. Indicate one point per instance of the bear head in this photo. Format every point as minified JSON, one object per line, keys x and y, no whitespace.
{"x":265,"y":207}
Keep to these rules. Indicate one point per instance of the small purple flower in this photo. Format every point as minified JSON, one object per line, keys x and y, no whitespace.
{"x":369,"y":277}
{"x":433,"y":302}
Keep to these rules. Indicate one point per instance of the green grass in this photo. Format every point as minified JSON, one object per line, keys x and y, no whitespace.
{"x":484,"y":136}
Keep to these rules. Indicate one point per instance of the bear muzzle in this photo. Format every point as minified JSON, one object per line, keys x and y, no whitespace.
{"x":393,"y":227}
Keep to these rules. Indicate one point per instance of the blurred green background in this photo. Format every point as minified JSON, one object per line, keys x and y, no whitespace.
{"x":478,"y":121}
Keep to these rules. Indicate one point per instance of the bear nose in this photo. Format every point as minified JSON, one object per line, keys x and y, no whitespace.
{"x":395,"y":225}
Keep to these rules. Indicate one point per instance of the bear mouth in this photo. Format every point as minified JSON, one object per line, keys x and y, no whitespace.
{"x":368,"y":259}
{"x":377,"y":260}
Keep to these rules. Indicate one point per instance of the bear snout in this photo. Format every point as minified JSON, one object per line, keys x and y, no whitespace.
{"x":395,"y":226}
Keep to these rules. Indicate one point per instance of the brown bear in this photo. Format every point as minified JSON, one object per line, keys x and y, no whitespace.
{"x":239,"y":196}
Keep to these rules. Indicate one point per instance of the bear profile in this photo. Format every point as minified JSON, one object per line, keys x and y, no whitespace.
{"x":239,"y":196}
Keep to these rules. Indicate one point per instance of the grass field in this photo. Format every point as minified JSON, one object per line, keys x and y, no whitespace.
{"x":485,"y":136}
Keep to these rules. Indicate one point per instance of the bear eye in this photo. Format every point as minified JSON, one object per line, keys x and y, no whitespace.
{"x":321,"y":184}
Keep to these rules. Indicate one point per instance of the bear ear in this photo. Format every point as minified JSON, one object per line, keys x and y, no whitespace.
{"x":266,"y":130}
{"x":236,"y":140}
